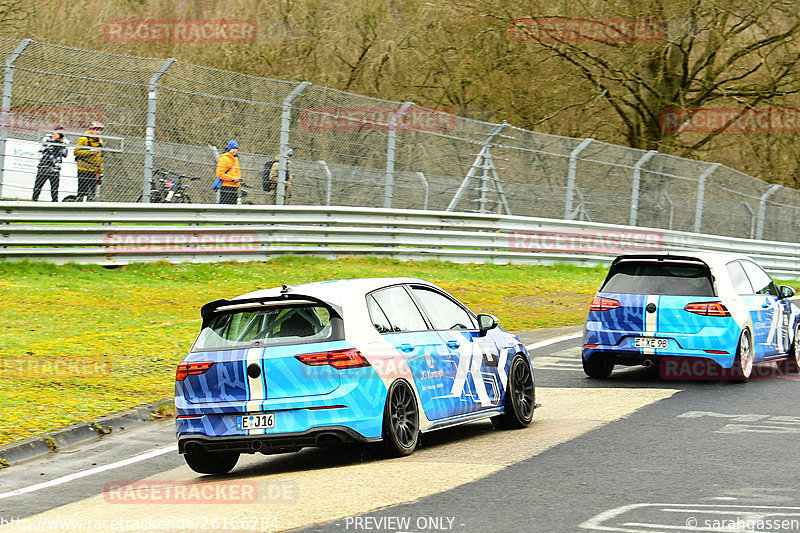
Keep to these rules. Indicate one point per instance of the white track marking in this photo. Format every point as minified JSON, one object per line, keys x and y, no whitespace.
{"x":554,"y":340}
{"x":71,"y":477}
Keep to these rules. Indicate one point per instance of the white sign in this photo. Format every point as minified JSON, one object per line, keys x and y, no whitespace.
{"x":22,"y":159}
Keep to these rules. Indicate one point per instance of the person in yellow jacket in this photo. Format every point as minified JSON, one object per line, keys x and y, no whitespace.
{"x":230,"y":174}
{"x":89,"y":157}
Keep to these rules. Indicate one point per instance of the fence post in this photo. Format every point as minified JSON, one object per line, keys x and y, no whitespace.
{"x":478,"y":163}
{"x":286,"y":122}
{"x":637,"y":180}
{"x":387,"y":198}
{"x":752,"y":219}
{"x":427,"y":188}
{"x":573,"y":166}
{"x":150,"y":131}
{"x":5,"y":111}
{"x":328,"y":181}
{"x":701,"y":191}
{"x":762,"y":210}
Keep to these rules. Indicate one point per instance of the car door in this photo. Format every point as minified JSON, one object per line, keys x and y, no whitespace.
{"x":476,"y":384}
{"x":395,"y":314}
{"x":769,"y":312}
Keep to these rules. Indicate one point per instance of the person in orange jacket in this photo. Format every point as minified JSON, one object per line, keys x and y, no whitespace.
{"x":230,"y":174}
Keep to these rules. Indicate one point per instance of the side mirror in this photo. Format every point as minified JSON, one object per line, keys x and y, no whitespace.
{"x":787,"y":292}
{"x":486,"y":322}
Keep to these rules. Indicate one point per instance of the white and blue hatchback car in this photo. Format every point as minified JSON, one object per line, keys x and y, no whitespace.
{"x":718,"y":309}
{"x":359,"y":360}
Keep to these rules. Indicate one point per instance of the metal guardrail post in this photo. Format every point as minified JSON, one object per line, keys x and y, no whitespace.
{"x":427,"y":188}
{"x":150,"y":131}
{"x":286,"y":122}
{"x":5,"y":110}
{"x":701,"y":191}
{"x":387,"y":198}
{"x":328,"y":182}
{"x":637,"y":180}
{"x":573,"y":167}
{"x":762,"y":210}
{"x":477,"y":164}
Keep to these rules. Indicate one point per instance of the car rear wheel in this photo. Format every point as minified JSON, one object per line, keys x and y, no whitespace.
{"x":791,"y":365}
{"x":520,"y":397}
{"x":204,"y":462}
{"x":400,"y":420}
{"x":597,"y":367}
{"x":743,"y":363}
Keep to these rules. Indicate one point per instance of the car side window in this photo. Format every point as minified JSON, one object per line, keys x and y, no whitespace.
{"x":400,"y":309}
{"x":378,"y":317}
{"x":762,"y":283}
{"x":444,"y":312}
{"x":739,"y":279}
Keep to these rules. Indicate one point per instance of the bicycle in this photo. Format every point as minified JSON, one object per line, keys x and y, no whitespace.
{"x":170,"y":188}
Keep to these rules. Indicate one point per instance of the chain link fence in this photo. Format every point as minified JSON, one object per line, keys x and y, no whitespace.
{"x":166,"y":123}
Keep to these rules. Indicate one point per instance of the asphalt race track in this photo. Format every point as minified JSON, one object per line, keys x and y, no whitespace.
{"x":633,"y":453}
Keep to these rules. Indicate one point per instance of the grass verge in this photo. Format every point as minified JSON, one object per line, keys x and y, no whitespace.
{"x":80,"y":341}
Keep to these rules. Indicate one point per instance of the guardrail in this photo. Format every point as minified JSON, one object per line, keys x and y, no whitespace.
{"x":117,"y":234}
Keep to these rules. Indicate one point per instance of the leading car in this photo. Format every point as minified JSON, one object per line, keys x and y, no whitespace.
{"x":360,"y":360}
{"x":719,"y":309}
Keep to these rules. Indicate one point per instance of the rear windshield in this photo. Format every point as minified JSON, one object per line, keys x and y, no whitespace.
{"x":262,"y":326}
{"x":668,"y":278}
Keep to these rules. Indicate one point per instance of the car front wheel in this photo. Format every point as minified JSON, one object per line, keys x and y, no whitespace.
{"x":743,"y":363}
{"x":520,"y":397}
{"x":204,"y":462}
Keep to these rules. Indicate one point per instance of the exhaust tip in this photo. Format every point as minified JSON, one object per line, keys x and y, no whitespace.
{"x":647,"y":363}
{"x":255,"y":445}
{"x":191,"y":447}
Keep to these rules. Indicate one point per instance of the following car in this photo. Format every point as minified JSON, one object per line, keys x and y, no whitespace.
{"x":719,"y":309}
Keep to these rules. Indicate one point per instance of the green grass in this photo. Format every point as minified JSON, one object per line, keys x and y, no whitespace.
{"x":79,"y":342}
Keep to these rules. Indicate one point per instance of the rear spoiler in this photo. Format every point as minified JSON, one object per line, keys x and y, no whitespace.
{"x":658,"y":257}
{"x":208,"y":310}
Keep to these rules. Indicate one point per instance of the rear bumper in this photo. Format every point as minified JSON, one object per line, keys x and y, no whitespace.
{"x":274,"y":443}
{"x":618,"y":345}
{"x":635,"y":356}
{"x":356,"y":406}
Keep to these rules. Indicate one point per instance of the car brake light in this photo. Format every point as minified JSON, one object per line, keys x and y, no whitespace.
{"x":340,"y":360}
{"x":707,"y":309}
{"x":603,"y":304}
{"x":191,"y":369}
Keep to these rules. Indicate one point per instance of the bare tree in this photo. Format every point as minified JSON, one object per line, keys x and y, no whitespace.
{"x":739,"y":55}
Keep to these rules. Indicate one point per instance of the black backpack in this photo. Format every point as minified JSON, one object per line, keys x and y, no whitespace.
{"x":267,"y":184}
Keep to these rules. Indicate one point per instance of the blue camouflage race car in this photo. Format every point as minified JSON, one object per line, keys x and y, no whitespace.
{"x":362,"y":360}
{"x":705,"y":314}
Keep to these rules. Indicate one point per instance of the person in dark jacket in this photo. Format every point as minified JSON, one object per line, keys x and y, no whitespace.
{"x":52,"y":152}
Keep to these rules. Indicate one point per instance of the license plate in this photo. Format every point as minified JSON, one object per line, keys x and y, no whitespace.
{"x":650,"y":342}
{"x":259,"y":421}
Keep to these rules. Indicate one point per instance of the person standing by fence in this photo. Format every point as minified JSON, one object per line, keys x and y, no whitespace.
{"x":270,"y":178}
{"x":89,"y":157}
{"x":52,"y":152}
{"x":230,"y":174}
